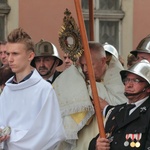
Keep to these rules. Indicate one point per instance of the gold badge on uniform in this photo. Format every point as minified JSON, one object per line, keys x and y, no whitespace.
{"x":137,"y":144}
{"x":135,"y":140}
{"x":132,"y":144}
{"x":138,"y":137}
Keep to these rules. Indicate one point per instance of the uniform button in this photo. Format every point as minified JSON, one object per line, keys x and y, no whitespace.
{"x":119,"y":131}
{"x":115,"y":142}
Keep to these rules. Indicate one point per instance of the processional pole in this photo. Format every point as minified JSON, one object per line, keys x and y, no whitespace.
{"x":90,"y":68}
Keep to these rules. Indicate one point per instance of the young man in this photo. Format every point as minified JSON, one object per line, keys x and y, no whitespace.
{"x":47,"y":60}
{"x":129,"y":129}
{"x":28,"y":104}
{"x":67,"y":61}
{"x":3,"y":53}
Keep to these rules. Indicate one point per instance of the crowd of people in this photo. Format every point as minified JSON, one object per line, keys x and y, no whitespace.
{"x":46,"y":109}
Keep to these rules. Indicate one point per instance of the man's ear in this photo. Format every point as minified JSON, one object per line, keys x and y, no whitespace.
{"x":31,"y":56}
{"x":108,"y":59}
{"x":103,"y":60}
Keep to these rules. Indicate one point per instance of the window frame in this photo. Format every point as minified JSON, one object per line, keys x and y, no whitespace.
{"x":105,"y":15}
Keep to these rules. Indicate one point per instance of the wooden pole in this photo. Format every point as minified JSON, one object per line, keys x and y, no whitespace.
{"x":90,"y":68}
{"x":91,"y":20}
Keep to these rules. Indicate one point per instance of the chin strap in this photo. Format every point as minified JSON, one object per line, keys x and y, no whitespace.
{"x":49,"y":72}
{"x":132,"y":94}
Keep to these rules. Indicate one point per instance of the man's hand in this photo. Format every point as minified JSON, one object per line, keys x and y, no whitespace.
{"x":102,"y":144}
{"x":4,"y":138}
{"x":103,"y":103}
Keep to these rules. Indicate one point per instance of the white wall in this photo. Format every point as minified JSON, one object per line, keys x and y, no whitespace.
{"x":127,"y":29}
{"x":13,"y":16}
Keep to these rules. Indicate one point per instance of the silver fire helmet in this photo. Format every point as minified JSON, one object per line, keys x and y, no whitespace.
{"x":111,"y":49}
{"x":141,"y":69}
{"x":143,"y":46}
{"x":45,"y":48}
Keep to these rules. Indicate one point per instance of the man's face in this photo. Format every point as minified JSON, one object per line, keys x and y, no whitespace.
{"x":44,"y":65}
{"x":3,"y":54}
{"x":68,"y":62}
{"x":141,"y":56}
{"x":19,"y":58}
{"x":135,"y":84}
{"x":98,"y":66}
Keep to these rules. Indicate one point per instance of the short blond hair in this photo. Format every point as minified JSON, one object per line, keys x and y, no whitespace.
{"x":20,"y":36}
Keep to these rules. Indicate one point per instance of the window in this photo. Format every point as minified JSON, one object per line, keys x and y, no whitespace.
{"x":4,"y":10}
{"x":107,"y":20}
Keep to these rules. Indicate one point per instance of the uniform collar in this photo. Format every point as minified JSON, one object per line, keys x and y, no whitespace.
{"x":50,"y":78}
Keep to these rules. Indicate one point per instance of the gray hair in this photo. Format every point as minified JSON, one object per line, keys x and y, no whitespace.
{"x":97,"y":47}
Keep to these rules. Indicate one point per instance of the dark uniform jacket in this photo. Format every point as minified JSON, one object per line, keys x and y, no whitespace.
{"x":131,"y":134}
{"x":56,"y":74}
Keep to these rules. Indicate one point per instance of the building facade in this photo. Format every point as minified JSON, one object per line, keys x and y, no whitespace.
{"x":122,"y":23}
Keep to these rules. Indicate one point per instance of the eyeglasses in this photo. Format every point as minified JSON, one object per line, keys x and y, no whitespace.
{"x":127,"y":80}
